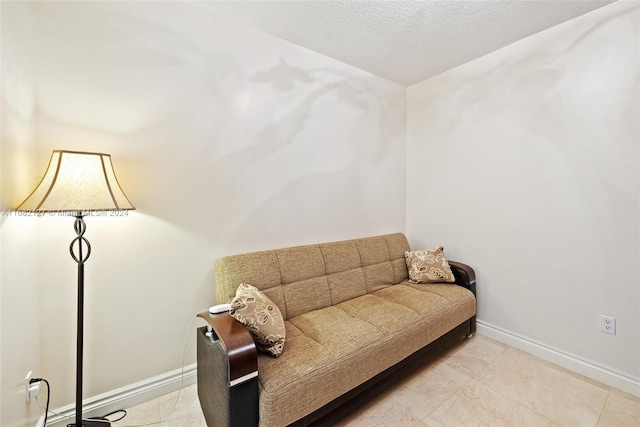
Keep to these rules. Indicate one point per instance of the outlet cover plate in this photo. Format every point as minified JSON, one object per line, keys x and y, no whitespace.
{"x":27,"y":385}
{"x":608,"y":324}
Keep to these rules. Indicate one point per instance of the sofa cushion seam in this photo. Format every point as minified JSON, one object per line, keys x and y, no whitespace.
{"x":284,"y":295}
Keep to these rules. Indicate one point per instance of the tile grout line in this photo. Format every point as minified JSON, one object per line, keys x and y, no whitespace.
{"x":563,"y":371}
{"x":471,"y":377}
{"x":524,"y":405}
{"x":604,"y":406}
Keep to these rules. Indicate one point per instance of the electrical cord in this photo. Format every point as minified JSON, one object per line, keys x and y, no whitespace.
{"x":46,"y":410}
{"x":175,"y":402}
{"x":63,"y":417}
{"x":184,"y":351}
{"x":105,"y":418}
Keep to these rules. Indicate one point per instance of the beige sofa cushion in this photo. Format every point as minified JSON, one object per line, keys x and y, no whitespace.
{"x":344,"y":270}
{"x":307,"y":278}
{"x":358,"y":336}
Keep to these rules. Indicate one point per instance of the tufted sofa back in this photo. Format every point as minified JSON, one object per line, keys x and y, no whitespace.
{"x":305,"y":278}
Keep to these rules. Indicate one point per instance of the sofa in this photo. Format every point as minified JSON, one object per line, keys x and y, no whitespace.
{"x":352,"y":317}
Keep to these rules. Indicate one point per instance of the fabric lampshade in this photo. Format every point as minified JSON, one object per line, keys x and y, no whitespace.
{"x":77,"y":182}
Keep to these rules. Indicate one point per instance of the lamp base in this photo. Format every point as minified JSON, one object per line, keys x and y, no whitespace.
{"x":94,"y":422}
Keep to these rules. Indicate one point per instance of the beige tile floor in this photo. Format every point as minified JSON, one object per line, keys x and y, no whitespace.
{"x":480,"y":383}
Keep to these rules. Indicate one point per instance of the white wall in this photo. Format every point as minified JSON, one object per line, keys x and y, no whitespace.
{"x":525,"y":164}
{"x":19,"y":294}
{"x":226,"y":140}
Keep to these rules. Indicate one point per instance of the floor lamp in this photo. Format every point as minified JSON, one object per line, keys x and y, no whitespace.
{"x":75,"y":184}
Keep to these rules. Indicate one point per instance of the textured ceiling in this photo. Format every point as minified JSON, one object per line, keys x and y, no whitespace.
{"x":403,"y":41}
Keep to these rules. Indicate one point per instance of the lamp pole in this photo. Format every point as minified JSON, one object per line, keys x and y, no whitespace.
{"x":80,"y":227}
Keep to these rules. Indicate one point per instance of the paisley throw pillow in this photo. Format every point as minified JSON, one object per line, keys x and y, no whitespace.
{"x":428,"y":266}
{"x":262,"y":318}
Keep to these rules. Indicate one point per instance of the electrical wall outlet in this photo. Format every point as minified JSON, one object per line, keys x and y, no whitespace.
{"x":27,"y":385}
{"x":608,"y":324}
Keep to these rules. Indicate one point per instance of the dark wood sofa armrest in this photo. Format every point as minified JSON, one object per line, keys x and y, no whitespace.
{"x":465,"y":276}
{"x":227,"y":372}
{"x":238,"y":343}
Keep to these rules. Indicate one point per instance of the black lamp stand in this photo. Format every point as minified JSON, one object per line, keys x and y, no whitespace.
{"x":80,"y":258}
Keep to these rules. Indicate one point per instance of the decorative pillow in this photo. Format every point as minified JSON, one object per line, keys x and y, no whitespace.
{"x":262,"y":318}
{"x":428,"y":266}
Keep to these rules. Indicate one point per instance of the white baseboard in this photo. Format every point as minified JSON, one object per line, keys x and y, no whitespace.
{"x":574,"y":363}
{"x":125,"y":397}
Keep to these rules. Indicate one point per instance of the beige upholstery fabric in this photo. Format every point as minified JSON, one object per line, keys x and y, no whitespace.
{"x":350,"y":313}
{"x":306,"y":295}
{"x":283,"y":274}
{"x":261,"y":268}
{"x":262,"y":318}
{"x":346,"y":285}
{"x":428,"y":266}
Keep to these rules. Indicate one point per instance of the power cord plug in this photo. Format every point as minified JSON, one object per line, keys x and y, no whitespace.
{"x":33,"y":390}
